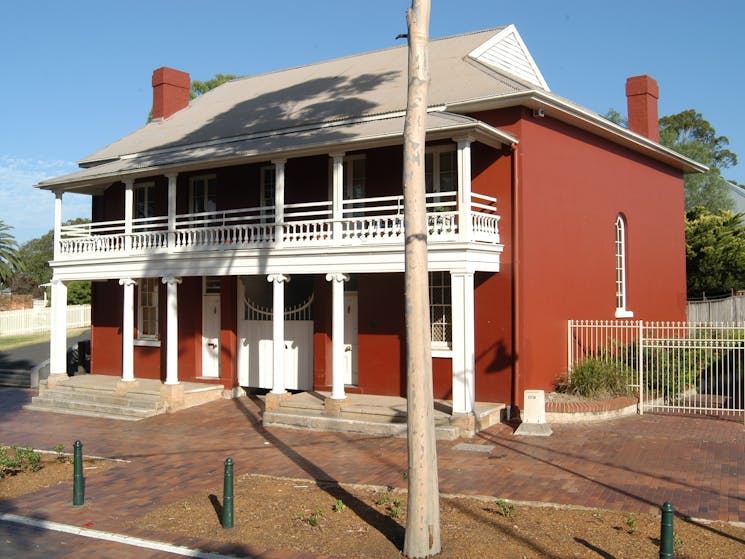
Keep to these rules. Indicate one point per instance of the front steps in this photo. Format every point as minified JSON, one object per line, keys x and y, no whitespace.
{"x":382,"y":416}
{"x":101,"y":396}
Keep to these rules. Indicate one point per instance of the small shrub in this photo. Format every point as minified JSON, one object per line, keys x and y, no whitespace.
{"x":597,"y":379}
{"x":631,"y":523}
{"x":338,"y":506}
{"x":505,"y":508}
{"x":22,"y":460}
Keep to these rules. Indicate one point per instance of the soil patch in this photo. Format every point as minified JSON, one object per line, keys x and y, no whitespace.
{"x":366,"y":522}
{"x":52,"y":472}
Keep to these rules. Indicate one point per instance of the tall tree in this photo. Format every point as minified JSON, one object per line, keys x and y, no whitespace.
{"x":201,"y":87}
{"x":423,"y":509}
{"x":715,"y":252}
{"x":693,"y":136}
{"x":9,"y":262}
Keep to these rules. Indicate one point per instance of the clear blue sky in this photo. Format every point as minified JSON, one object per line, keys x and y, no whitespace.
{"x":77,"y":73}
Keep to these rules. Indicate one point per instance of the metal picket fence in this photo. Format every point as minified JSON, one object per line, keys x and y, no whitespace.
{"x":681,"y":367}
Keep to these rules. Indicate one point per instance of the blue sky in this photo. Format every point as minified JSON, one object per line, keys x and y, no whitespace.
{"x":77,"y":73}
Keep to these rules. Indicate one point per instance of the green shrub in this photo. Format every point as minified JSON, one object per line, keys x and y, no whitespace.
{"x":22,"y":460}
{"x":596,"y":378}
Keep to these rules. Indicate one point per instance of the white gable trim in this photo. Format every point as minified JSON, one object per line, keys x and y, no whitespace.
{"x":506,"y":51}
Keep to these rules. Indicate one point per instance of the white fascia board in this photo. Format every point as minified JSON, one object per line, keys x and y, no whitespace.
{"x":585,"y":119}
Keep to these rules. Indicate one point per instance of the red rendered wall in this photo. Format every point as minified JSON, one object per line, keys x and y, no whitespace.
{"x":572,"y":186}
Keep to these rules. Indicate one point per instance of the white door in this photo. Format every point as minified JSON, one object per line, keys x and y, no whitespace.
{"x":211,"y":336}
{"x":350,"y":338}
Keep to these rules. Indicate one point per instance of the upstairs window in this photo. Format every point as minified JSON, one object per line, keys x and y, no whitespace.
{"x":441,"y":169}
{"x":203,"y":194}
{"x":621,"y":302}
{"x":354,"y":177}
{"x":268,"y":180}
{"x":440,"y":310}
{"x":147,"y":307}
{"x":144,"y":201}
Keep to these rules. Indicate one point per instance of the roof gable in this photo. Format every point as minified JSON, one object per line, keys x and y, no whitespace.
{"x":507,"y":52}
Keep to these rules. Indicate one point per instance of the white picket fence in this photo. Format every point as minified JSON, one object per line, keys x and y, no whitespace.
{"x":689,"y":367}
{"x":38,"y":320}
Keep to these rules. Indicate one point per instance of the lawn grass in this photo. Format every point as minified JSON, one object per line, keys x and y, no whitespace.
{"x":13,"y":342}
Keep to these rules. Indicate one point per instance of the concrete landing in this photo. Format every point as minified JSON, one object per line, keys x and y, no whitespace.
{"x":374,"y":415}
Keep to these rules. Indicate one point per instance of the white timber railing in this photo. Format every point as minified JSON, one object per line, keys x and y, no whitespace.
{"x":375,"y":220}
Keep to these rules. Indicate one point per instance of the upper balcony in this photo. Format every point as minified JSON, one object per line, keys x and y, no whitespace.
{"x":362,"y":222}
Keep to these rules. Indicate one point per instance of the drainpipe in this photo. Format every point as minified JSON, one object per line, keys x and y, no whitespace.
{"x":516,"y":384}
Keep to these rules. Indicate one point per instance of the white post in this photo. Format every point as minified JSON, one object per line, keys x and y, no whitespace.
{"x":128,"y":206}
{"x":337,"y":194}
{"x":128,"y":314}
{"x":58,"y":339}
{"x":171,"y":328}
{"x":278,"y":331}
{"x":57,"y":222}
{"x":464,"y":365}
{"x":337,"y":335}
{"x":279,"y":201}
{"x":464,"y":189}
{"x":172,"y":181}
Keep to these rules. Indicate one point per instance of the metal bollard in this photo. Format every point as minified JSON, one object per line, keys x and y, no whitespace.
{"x":227,"y":495}
{"x":77,"y":476}
{"x":666,"y":531}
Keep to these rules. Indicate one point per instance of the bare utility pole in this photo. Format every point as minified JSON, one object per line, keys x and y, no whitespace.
{"x":423,"y":512}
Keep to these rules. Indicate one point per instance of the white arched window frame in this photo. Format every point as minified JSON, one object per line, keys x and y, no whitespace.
{"x":621,"y":284}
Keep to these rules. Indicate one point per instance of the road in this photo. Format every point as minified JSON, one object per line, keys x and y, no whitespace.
{"x":27,"y":357}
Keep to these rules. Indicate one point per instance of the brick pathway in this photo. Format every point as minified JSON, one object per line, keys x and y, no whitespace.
{"x":632,"y":464}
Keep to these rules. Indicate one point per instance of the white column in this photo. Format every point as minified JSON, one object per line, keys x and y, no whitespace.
{"x":128,"y":329}
{"x":172,"y":181}
{"x":337,"y":193}
{"x":279,"y":200}
{"x":464,"y":365}
{"x":278,"y":331}
{"x":128,"y":206}
{"x":337,"y":335}
{"x":57,"y":222}
{"x":171,"y":328}
{"x":58,"y":338}
{"x":464,"y":189}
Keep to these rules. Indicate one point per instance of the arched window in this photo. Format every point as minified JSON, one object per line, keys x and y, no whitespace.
{"x":621,"y":302}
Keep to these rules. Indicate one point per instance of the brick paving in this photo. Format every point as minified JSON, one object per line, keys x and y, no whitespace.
{"x":632,"y":464}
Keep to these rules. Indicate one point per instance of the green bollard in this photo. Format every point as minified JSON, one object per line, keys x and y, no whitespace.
{"x":227,"y":495}
{"x":77,"y":476}
{"x":666,"y":531}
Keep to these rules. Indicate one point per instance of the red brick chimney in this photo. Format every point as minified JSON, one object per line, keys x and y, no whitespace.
{"x":642,"y":93}
{"x":170,"y":92}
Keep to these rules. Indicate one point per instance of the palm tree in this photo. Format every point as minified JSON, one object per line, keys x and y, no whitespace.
{"x":9,"y":262}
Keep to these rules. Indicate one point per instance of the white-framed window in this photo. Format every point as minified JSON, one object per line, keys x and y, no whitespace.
{"x":267,"y":189}
{"x":441,"y":169}
{"x":440,"y":311}
{"x":354,"y":177}
{"x":147,"y":309}
{"x":144,"y":200}
{"x":203,"y":194}
{"x":621,"y":301}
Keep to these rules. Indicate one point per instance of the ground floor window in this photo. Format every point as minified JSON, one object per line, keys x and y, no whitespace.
{"x":147,"y":307}
{"x":440,"y":310}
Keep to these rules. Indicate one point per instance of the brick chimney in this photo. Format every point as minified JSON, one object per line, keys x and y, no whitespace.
{"x":642,"y":93}
{"x":170,"y":92}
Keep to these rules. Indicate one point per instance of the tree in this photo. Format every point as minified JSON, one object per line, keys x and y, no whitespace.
{"x":36,"y":254}
{"x":690,"y":134}
{"x":200,"y":88}
{"x":9,"y":261}
{"x":614,"y":116}
{"x":422,"y":537}
{"x":715,"y":252}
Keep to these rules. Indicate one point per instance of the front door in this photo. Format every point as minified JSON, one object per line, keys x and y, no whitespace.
{"x":350,"y":338}
{"x":211,"y":328}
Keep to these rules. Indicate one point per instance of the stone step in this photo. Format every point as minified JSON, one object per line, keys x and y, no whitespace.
{"x":61,"y":392}
{"x":315,"y":420}
{"x":63,"y":403}
{"x":15,"y":378}
{"x":85,"y":413}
